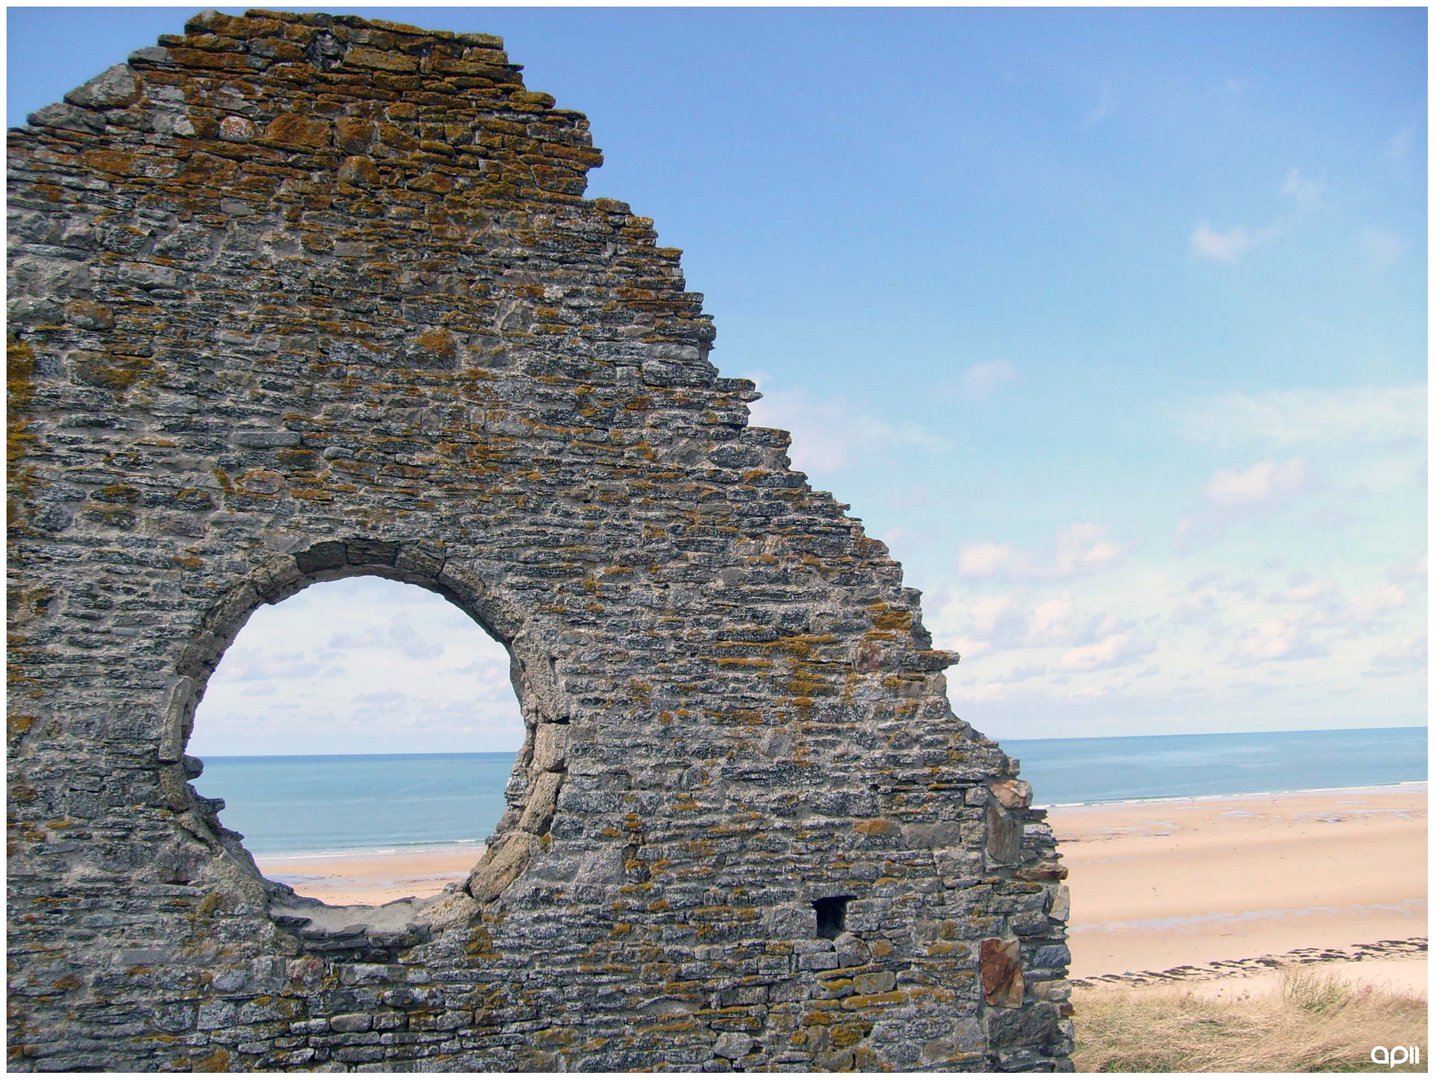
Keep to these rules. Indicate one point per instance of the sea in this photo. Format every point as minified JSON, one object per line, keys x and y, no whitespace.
{"x":343,"y":803}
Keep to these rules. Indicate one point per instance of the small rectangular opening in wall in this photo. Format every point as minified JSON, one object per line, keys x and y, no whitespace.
{"x":831,"y":915}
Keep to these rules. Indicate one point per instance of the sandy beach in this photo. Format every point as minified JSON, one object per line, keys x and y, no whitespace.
{"x":373,"y":877}
{"x":1233,"y":885}
{"x":1221,"y":888}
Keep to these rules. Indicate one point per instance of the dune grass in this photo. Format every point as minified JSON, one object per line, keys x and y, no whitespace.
{"x":1313,"y":1023}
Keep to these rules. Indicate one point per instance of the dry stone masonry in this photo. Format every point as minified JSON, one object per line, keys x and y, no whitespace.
{"x":299,"y":297}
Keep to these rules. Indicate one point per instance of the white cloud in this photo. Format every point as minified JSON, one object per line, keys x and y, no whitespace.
{"x":385,"y":698}
{"x":1382,"y":247}
{"x":988,"y":611}
{"x":1406,"y":472}
{"x":984,"y":560}
{"x":370,"y":637}
{"x":397,"y":634}
{"x":1230,"y":495}
{"x":1305,"y":589}
{"x":1199,"y":610}
{"x":1018,"y":619}
{"x":983,"y":380}
{"x":1263,"y":484}
{"x":1230,"y":245}
{"x":827,"y":432}
{"x":1325,"y":606}
{"x":247,"y":663}
{"x":1224,"y":245}
{"x":1090,"y":692}
{"x":974,"y":626}
{"x":1085,"y":548}
{"x":1302,"y":190}
{"x":1401,"y":657}
{"x":409,"y":643}
{"x":1241,"y":639}
{"x":1079,"y":549}
{"x":1368,"y":606}
{"x":1356,"y":414}
{"x":407,"y":671}
{"x":995,"y":690}
{"x":1052,"y":619}
{"x":1113,"y":651}
{"x":1276,"y":639}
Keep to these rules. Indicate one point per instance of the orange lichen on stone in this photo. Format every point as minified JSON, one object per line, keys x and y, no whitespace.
{"x":297,"y":132}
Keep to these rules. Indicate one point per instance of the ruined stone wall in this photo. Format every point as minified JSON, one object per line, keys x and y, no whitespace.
{"x":296,"y":297}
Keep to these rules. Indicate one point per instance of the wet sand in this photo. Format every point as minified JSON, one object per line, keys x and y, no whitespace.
{"x":1245,"y":882}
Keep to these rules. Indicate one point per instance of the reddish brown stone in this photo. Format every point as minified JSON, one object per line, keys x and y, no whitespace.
{"x":869,"y":657}
{"x":1002,"y":983}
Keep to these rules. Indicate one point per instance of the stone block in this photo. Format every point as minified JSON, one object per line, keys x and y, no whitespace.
{"x":178,"y":708}
{"x":1060,"y":904}
{"x":501,"y":866}
{"x":1003,"y":836}
{"x":550,"y":747}
{"x":542,"y":801}
{"x":1012,"y":794}
{"x":876,"y":982}
{"x":327,"y":555}
{"x":296,"y":131}
{"x":113,"y":88}
{"x":262,"y":439}
{"x":733,"y":1045}
{"x":1000,"y":961}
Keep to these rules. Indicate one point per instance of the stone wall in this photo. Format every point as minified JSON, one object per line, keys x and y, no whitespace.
{"x":297,"y":297}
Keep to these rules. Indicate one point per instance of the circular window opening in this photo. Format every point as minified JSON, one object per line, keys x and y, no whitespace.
{"x":361,"y":734}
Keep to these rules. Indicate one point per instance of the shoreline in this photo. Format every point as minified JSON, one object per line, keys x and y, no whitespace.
{"x":1141,"y":800}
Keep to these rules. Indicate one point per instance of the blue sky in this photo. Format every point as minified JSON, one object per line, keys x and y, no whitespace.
{"x":1112,"y":323}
